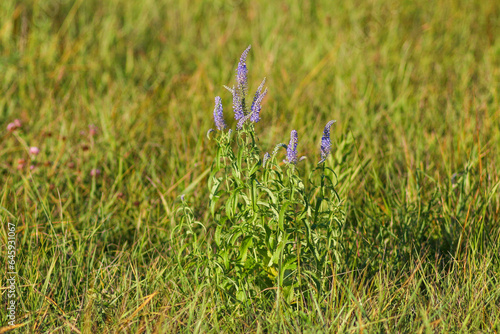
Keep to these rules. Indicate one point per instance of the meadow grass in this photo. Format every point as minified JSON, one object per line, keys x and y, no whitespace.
{"x":415,"y":91}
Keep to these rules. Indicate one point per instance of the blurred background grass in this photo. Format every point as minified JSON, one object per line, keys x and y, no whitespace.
{"x":414,"y":88}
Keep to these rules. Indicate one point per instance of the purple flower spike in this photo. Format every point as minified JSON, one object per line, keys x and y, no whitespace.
{"x":256,"y":104}
{"x":277,"y":147}
{"x":291,"y":150}
{"x":266,"y":157}
{"x":238,"y":104}
{"x":326,"y":144}
{"x":242,"y":121}
{"x":218,"y":115}
{"x":242,"y":71}
{"x":240,"y":91}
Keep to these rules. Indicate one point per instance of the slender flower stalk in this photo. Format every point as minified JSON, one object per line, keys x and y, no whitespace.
{"x":218,"y":114}
{"x":291,"y":150}
{"x":326,"y":144}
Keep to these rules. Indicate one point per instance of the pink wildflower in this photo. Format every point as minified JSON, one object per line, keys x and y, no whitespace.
{"x":92,"y":130}
{"x":95,"y":172}
{"x":11,"y":127}
{"x":34,"y":150}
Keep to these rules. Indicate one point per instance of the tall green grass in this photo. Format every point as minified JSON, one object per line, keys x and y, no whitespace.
{"x":415,"y":91}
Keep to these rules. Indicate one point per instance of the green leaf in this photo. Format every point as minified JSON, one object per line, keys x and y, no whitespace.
{"x":235,"y":237}
{"x":223,"y":254}
{"x":254,"y":169}
{"x":274,"y":200}
{"x":217,"y":235}
{"x":247,"y":242}
{"x":240,"y":159}
{"x":282,"y":215}
{"x":279,"y":250}
{"x":240,"y":295}
{"x":254,"y":195}
{"x":264,"y":204}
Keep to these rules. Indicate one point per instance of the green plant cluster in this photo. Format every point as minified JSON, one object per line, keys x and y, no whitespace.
{"x":277,"y":231}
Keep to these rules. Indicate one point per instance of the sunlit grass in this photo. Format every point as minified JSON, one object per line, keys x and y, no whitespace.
{"x":415,"y":92}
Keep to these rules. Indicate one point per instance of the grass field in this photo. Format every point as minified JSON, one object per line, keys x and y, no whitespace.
{"x":118,"y":97}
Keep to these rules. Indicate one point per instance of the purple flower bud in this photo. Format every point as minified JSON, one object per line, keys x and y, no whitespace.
{"x":17,"y":123}
{"x":256,"y":104}
{"x":34,"y":150}
{"x":218,"y":115}
{"x":326,"y":144}
{"x":291,"y":150}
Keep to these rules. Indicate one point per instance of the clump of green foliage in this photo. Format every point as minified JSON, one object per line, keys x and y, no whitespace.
{"x":277,"y":231}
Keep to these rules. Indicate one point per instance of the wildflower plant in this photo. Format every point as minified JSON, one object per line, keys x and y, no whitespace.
{"x":277,"y":232}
